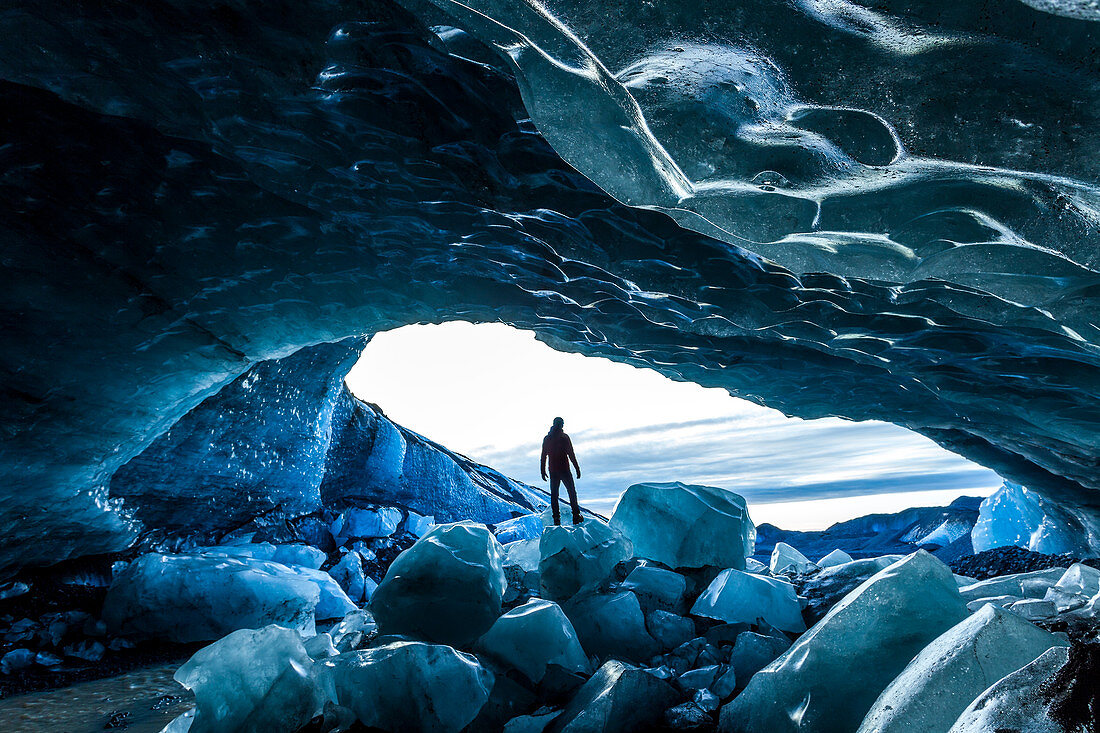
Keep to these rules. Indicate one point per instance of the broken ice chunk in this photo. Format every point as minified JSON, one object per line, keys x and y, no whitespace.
{"x":611,"y":626}
{"x":828,"y":680}
{"x":836,"y":557}
{"x":349,"y":574}
{"x":1033,"y":609}
{"x":657,"y":588}
{"x":619,"y":698}
{"x":306,"y":556}
{"x":408,"y":686}
{"x":1075,"y":588}
{"x":668,"y":629}
{"x":786,"y":559}
{"x":446,"y":588}
{"x":685,"y":526}
{"x":380,"y":521}
{"x":418,"y":525}
{"x":524,"y":527}
{"x":252,"y":681}
{"x":1014,"y":703}
{"x":753,"y":652}
{"x":578,"y":558}
{"x":936,"y":687}
{"x":189,"y":598}
{"x":532,"y":636}
{"x":1025,"y":585}
{"x":1017,"y":516}
{"x":735,"y":596}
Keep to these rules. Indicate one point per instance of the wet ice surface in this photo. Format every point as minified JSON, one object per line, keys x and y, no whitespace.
{"x":144,"y":699}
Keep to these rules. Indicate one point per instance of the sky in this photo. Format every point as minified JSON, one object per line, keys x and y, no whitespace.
{"x":491,"y":391}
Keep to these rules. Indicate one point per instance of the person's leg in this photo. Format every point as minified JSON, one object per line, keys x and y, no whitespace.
{"x":555,"y":481}
{"x":569,"y":485}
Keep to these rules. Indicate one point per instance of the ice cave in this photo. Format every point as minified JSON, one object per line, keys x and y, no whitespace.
{"x":882,"y":211}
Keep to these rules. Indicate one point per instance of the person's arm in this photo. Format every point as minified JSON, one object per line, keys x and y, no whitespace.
{"x":573,"y":456}
{"x":542,"y":460}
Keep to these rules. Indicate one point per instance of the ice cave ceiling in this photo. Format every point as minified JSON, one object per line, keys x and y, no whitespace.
{"x":884,"y":212}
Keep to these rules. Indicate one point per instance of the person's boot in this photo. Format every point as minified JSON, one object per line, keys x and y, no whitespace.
{"x":557,"y":519}
{"x":577,"y":519}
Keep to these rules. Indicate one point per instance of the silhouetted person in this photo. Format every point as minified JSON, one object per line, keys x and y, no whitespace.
{"x":558,"y":449}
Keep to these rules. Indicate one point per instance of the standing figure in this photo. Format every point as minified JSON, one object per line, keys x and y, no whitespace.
{"x":557,"y":447}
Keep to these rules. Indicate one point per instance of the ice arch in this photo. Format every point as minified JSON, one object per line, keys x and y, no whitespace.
{"x":187,"y":192}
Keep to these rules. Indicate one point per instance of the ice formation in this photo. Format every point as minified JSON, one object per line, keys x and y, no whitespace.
{"x":195,"y":598}
{"x":753,"y":652}
{"x":1025,"y":585}
{"x":407,"y":685}
{"x":1013,"y":702}
{"x":533,"y":636}
{"x":611,"y":625}
{"x":937,"y":686}
{"x":361,"y":523}
{"x":657,"y":588}
{"x":786,"y":559}
{"x":834,"y":558}
{"x":348,"y":572}
{"x":828,"y":680}
{"x":575,"y":559}
{"x":617,"y":699}
{"x":252,"y":681}
{"x":1076,"y":587}
{"x":736,"y":596}
{"x":445,"y":588}
{"x":1017,"y":516}
{"x":677,"y":524}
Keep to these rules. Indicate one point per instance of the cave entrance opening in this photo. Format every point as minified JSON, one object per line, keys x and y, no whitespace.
{"x":490,"y":392}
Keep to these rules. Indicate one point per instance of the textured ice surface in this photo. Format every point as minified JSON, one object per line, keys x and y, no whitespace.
{"x":252,"y":681}
{"x":736,"y":596}
{"x":657,"y":588}
{"x":366,"y":179}
{"x":834,"y":558}
{"x":348,"y":572}
{"x":194,"y":598}
{"x":407,"y":686}
{"x":934,"y":689}
{"x":445,"y":588}
{"x":1026,"y":585}
{"x":1014,"y":702}
{"x":526,"y":527}
{"x":786,"y":559}
{"x":298,"y":554}
{"x":532,"y":636}
{"x":686,"y":526}
{"x":362,"y":523}
{"x":612,"y":625}
{"x":619,"y":698}
{"x":752,"y":652}
{"x":829,"y":678}
{"x":1075,"y":588}
{"x":1015,"y":516}
{"x":579,"y":558}
{"x":668,"y":629}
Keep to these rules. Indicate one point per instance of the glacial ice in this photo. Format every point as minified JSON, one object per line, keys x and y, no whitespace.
{"x":752,"y":652}
{"x":195,"y":598}
{"x":252,"y":681}
{"x":685,"y":526}
{"x":657,"y":588}
{"x":446,"y":588}
{"x":1076,"y":586}
{"x":1015,"y":516}
{"x":829,"y":678}
{"x":305,"y":556}
{"x":1033,"y":584}
{"x":525,"y":527}
{"x":735,"y":596}
{"x":668,"y":629}
{"x":786,"y":559}
{"x":937,"y":686}
{"x":348,"y":572}
{"x":1013,"y":702}
{"x":611,"y":625}
{"x":531,"y":637}
{"x":834,"y":558}
{"x":576,"y":559}
{"x":408,"y":686}
{"x":362,"y":523}
{"x":619,"y":698}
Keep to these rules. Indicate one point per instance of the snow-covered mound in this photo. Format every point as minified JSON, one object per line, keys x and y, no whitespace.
{"x":192,"y":192}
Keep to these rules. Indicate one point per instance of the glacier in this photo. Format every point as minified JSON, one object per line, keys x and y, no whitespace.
{"x":904,"y":229}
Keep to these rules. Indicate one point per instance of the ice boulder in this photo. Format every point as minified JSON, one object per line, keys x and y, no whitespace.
{"x":1075,"y":588}
{"x":525,"y":527}
{"x":686,"y":526}
{"x":619,"y":698}
{"x":302,"y":555}
{"x":533,"y":636}
{"x":189,"y":598}
{"x":1024,"y":585}
{"x":786,"y":559}
{"x":408,"y":686}
{"x":1034,"y":609}
{"x":836,"y":557}
{"x":829,"y":678}
{"x":611,"y":626}
{"x":252,"y":681}
{"x":668,"y":629}
{"x":381,"y":521}
{"x":657,"y":588}
{"x":1015,"y":516}
{"x":575,"y":559}
{"x":1014,"y":703}
{"x":739,"y":597}
{"x":348,"y":572}
{"x":446,"y":588}
{"x":824,"y":589}
{"x":937,"y":686}
{"x":752,"y":652}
